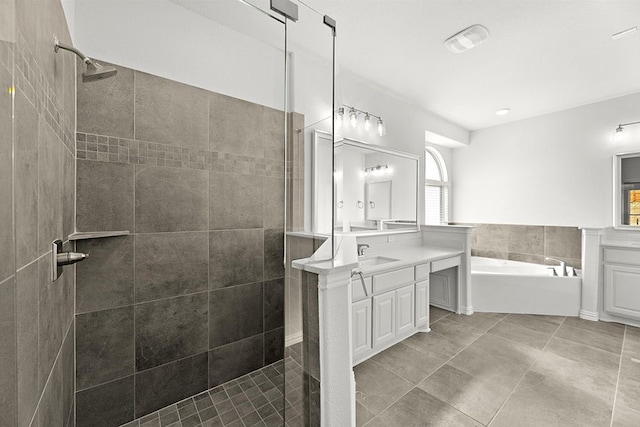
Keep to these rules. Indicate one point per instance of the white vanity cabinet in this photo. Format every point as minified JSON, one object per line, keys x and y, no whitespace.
{"x":622,"y":282}
{"x":395,"y":306}
{"x":361,"y":324}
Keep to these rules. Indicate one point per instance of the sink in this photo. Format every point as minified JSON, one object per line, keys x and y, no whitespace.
{"x":375,"y":260}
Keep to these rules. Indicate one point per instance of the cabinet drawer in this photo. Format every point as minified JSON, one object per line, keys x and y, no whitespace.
{"x":357,"y":293}
{"x":443,"y":264}
{"x":622,"y":256}
{"x":422,"y":271}
{"x":392,"y":280}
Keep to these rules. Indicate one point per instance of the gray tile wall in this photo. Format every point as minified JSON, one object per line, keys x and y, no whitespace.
{"x":37,"y":195}
{"x":194,"y":297}
{"x":528,"y":243}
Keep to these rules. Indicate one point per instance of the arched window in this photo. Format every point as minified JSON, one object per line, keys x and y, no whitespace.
{"x":436,"y":188}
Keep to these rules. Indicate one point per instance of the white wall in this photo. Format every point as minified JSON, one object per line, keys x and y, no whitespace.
{"x":162,"y":38}
{"x":554,"y":169}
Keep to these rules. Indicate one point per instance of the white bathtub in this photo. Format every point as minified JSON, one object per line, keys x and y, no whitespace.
{"x":503,"y":286}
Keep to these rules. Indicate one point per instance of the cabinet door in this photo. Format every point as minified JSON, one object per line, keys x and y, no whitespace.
{"x":405,"y":309}
{"x":622,"y":290}
{"x":384,"y":318}
{"x":422,"y":303}
{"x":361,"y":323}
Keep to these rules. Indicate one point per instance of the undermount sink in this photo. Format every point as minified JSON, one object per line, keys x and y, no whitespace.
{"x":375,"y":260}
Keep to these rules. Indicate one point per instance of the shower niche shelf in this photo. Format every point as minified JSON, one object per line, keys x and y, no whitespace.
{"x":84,"y":235}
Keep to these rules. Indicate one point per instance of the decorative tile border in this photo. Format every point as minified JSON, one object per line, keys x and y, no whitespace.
{"x":34,"y":84}
{"x":119,"y":150}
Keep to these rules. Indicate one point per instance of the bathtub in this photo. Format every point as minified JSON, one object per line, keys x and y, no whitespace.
{"x":503,"y":286}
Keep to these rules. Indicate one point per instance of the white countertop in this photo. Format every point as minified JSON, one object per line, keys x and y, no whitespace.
{"x":620,"y":244}
{"x":408,"y":257}
{"x":346,"y":259}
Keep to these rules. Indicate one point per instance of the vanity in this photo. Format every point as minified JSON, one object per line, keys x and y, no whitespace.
{"x":390,"y":302}
{"x":363,"y":194}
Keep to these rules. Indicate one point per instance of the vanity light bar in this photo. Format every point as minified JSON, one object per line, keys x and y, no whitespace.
{"x":377,"y":169}
{"x":354,"y":114}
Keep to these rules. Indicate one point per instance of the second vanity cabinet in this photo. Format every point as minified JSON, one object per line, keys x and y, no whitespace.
{"x":622,"y":282}
{"x":396,"y":306}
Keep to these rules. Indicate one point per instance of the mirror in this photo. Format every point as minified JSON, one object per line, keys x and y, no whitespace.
{"x":627,"y":191}
{"x":376,"y":188}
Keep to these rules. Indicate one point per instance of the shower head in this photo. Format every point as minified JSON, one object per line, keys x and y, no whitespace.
{"x":94,"y":71}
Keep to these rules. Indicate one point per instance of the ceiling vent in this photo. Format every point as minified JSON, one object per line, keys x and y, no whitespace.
{"x":467,"y":39}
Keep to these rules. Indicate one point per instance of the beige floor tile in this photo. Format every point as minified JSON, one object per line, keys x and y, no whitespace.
{"x":412,"y":365}
{"x":630,"y":365}
{"x":433,"y":344}
{"x":598,"y":383}
{"x":456,"y":331}
{"x":363,"y":415}
{"x":377,"y":387}
{"x":546,"y":402}
{"x":625,"y":417}
{"x":482,"y":321}
{"x":632,"y":339}
{"x":545,"y":324}
{"x":609,"y":328}
{"x":590,"y":356}
{"x":520,"y":334}
{"x":499,"y":349}
{"x":596,"y":339}
{"x":629,"y":394}
{"x":419,"y":408}
{"x":477,"y":399}
{"x":481,"y":365}
{"x":436,"y":313}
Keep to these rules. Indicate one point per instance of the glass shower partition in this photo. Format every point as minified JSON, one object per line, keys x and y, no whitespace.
{"x":311,"y":109}
{"x":186,"y":148}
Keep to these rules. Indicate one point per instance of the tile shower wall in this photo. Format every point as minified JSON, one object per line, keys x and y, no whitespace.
{"x":528,"y":243}
{"x":37,"y":119}
{"x":194,"y":296}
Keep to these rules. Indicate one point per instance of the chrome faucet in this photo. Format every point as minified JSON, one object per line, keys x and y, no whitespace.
{"x":563,"y":265}
{"x":361,"y":248}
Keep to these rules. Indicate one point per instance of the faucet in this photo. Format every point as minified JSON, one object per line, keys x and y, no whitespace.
{"x":361,"y":248}
{"x":563,"y":265}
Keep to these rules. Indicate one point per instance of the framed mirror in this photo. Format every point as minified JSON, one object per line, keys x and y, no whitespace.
{"x":626,"y":178}
{"x":376,"y":188}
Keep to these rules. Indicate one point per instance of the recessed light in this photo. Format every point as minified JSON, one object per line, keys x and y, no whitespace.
{"x":503,"y":111}
{"x":621,"y":34}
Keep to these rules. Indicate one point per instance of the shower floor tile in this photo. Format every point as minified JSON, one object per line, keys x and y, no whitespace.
{"x":254,"y":399}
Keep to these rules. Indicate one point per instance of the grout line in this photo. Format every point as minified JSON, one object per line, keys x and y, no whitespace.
{"x":526,"y":372}
{"x":415,"y":386}
{"x":615,"y":395}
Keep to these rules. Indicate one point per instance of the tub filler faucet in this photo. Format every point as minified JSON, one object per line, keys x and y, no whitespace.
{"x":563,"y":265}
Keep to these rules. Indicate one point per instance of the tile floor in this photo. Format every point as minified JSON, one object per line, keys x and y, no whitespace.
{"x":254,"y":399}
{"x":505,"y":370}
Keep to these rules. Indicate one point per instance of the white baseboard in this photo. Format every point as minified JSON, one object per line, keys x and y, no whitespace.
{"x":466,"y":310}
{"x":292,"y":339}
{"x":589,"y":315}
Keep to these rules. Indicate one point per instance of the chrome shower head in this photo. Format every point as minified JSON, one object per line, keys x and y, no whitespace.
{"x":94,"y":71}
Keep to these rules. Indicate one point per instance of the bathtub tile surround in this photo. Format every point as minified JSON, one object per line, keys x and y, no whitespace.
{"x":528,"y":243}
{"x":37,"y":192}
{"x":507,"y":370}
{"x":252,"y":400}
{"x":194,"y":297}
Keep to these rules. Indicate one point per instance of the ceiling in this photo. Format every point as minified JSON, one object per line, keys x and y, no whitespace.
{"x":542,"y":55}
